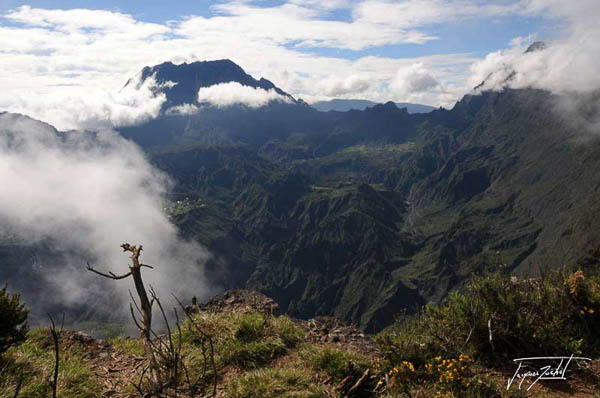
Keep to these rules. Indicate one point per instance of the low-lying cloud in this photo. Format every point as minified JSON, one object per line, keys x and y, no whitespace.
{"x":233,"y":93}
{"x":565,"y":65}
{"x":72,"y":108}
{"x":87,"y":193}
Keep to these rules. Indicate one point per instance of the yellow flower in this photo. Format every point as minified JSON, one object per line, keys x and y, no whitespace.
{"x":380,"y":382}
{"x":438,"y":358}
{"x":591,"y":311}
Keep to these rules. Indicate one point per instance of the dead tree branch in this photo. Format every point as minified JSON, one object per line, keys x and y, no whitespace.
{"x":165,"y":362}
{"x":145,"y":307}
{"x":55,"y":338}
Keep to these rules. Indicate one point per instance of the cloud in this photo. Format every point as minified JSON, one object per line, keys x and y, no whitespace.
{"x":337,"y":87}
{"x":410,"y":14}
{"x":72,"y":107}
{"x":567,"y":64}
{"x":233,"y":93}
{"x":413,"y":79}
{"x":87,"y":193}
{"x":67,"y":66}
{"x":303,"y":24}
{"x":184,"y":109}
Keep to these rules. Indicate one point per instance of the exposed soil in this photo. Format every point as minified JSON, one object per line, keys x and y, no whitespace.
{"x":114,"y":370}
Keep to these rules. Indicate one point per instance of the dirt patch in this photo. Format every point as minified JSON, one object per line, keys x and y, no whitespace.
{"x":328,"y":329}
{"x":113,"y":370}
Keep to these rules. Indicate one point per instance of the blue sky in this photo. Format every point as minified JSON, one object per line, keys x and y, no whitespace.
{"x":478,"y":36}
{"x":422,"y":51}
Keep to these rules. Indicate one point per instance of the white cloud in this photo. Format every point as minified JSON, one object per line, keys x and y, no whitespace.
{"x":233,"y":93}
{"x":416,"y":13}
{"x":66,"y":66}
{"x":568,"y":64}
{"x":184,"y":109}
{"x":414,"y":79}
{"x":89,"y":193}
{"x":71,"y":107}
{"x":337,"y":87}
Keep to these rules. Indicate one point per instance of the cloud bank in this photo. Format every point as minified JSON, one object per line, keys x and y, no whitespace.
{"x":65,"y":66}
{"x":87,"y":193}
{"x":233,"y":93}
{"x":567,"y":64}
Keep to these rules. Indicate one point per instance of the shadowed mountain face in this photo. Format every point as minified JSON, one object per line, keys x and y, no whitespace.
{"x":189,"y":78}
{"x":363,"y":214}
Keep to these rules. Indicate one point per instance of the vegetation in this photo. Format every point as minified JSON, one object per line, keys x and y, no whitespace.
{"x":274,"y":383}
{"x":13,"y":320}
{"x":443,"y":351}
{"x":32,"y":363}
{"x":495,"y":317}
{"x":244,"y":340}
{"x":336,"y":363}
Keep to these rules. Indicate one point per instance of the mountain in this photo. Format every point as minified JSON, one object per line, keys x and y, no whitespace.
{"x":364,"y":213}
{"x":180,"y":83}
{"x":344,"y":105}
{"x":368,"y":213}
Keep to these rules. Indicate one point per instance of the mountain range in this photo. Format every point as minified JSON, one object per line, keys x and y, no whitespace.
{"x":368,"y":213}
{"x":344,"y":105}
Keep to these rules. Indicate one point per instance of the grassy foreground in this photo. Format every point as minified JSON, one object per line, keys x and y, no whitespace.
{"x":463,"y":348}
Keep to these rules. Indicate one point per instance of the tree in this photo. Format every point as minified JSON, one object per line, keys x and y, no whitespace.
{"x":166,"y":370}
{"x":13,"y":320}
{"x":145,"y":307}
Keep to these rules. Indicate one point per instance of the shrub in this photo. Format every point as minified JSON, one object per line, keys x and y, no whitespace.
{"x":494,"y":316}
{"x":497,"y":315}
{"x":13,"y":320}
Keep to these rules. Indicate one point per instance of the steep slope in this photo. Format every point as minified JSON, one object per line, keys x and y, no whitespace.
{"x":364,"y":214}
{"x":375,"y":226}
{"x":180,"y":83}
{"x":284,"y":129}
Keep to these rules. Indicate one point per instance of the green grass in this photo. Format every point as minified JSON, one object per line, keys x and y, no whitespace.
{"x":34,"y":359}
{"x":335,"y":363}
{"x":274,"y":383}
{"x":245,"y":340}
{"x":128,"y":346}
{"x":102,"y":330}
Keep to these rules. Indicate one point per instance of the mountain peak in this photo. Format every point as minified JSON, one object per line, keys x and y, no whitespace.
{"x":536,"y":46}
{"x":181,"y":82}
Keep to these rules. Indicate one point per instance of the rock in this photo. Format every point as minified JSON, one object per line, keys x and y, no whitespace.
{"x":238,"y":301}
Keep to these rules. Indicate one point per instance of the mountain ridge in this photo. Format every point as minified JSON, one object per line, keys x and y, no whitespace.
{"x":344,"y":105}
{"x":180,"y":82}
{"x":364,"y":214}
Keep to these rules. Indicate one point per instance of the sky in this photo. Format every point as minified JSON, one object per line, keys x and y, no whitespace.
{"x":65,"y":62}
